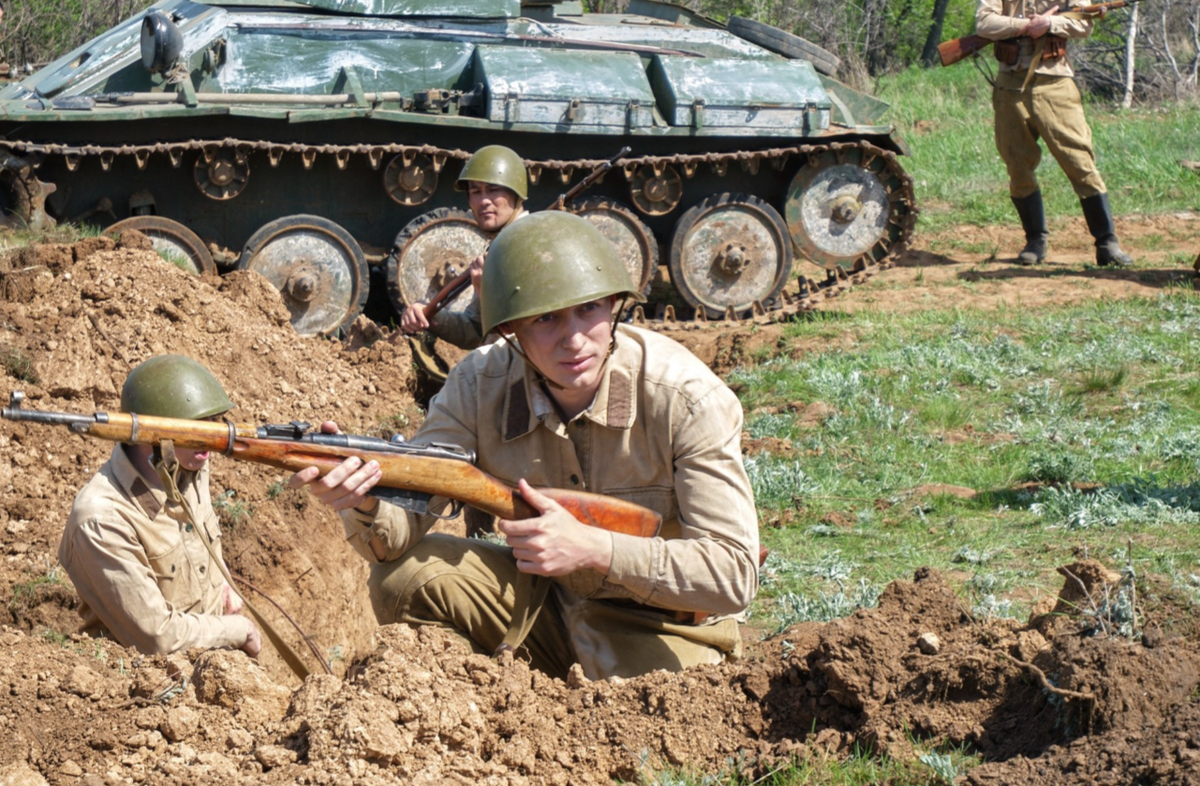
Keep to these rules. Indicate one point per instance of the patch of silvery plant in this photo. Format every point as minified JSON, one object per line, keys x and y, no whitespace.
{"x":1139,"y":502}
{"x":984,"y":588}
{"x":777,"y":481}
{"x":776,"y":425}
{"x":794,"y":609}
{"x":971,"y":556}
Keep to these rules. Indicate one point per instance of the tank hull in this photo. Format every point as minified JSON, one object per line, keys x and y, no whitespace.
{"x":366,"y":120}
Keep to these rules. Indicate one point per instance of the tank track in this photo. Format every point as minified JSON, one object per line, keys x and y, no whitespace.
{"x":808,"y":293}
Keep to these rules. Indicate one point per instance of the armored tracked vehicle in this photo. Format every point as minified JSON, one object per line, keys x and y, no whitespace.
{"x":318,"y":141}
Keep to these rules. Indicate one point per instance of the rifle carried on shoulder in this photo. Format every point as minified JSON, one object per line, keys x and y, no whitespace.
{"x":412,"y":474}
{"x":961,"y":48}
{"x":457,"y":284}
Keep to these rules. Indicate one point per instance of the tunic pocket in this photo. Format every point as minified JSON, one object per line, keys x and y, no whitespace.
{"x":174,"y":576}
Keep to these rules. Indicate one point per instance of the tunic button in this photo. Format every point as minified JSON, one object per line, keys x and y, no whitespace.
{"x":575,"y":479}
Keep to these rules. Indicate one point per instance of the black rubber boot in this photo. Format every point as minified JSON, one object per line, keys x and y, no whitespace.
{"x":1099,"y":219}
{"x":1033,"y":220}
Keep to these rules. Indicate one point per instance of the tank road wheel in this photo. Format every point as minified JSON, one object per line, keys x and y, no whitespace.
{"x":850,"y":207}
{"x":730,"y":251}
{"x":172,"y":240}
{"x":318,"y":268}
{"x":431,"y":250}
{"x":635,"y":243}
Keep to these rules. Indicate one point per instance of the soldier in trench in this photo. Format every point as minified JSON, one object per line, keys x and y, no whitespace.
{"x":572,"y":399}
{"x":496,"y":184}
{"x":144,"y":576}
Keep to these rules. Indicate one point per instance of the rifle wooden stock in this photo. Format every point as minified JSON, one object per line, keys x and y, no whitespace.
{"x":960,"y":48}
{"x":447,"y":293}
{"x":438,"y":475}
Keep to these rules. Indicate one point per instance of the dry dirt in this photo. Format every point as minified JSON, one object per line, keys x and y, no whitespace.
{"x":1039,"y":700}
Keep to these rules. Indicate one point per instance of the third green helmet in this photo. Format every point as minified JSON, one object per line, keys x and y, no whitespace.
{"x":173,"y":386}
{"x":547,"y":261}
{"x":497,"y":165}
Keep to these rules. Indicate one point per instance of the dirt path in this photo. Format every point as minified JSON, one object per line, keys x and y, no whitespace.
{"x":415,"y":707}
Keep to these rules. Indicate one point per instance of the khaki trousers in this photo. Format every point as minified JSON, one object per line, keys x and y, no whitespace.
{"x":1049,"y":109}
{"x":467,"y":585}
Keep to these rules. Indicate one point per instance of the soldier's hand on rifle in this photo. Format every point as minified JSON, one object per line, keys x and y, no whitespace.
{"x":476,"y":271}
{"x":1039,"y":25}
{"x":253,"y":644}
{"x":555,"y":543}
{"x":413,"y":319}
{"x":345,"y":486}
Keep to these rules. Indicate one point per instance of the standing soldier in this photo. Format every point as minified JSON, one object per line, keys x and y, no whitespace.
{"x":144,"y":576}
{"x":497,"y":185}
{"x":1036,"y":97}
{"x":581,"y":402}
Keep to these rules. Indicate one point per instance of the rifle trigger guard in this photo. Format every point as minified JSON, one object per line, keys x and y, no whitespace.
{"x":232,"y":437}
{"x":455,"y":508}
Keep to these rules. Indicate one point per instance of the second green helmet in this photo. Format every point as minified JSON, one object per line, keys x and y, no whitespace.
{"x":547,"y":261}
{"x":173,"y":386}
{"x":497,"y":165}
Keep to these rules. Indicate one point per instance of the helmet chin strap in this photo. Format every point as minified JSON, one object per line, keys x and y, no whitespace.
{"x":506,"y":334}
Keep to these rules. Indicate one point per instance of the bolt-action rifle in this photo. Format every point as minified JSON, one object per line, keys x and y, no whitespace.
{"x":457,"y":284}
{"x":412,"y":474}
{"x":961,"y":48}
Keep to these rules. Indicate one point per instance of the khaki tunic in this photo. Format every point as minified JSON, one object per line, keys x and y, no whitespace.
{"x":663,"y":431}
{"x":1049,"y":109}
{"x":143,"y":576}
{"x":463,"y":329}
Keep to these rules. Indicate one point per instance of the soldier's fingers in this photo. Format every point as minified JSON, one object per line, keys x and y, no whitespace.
{"x":303,"y":477}
{"x":536,"y":499}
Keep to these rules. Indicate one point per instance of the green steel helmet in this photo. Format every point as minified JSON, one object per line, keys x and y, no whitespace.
{"x":173,"y":386}
{"x":497,"y":165}
{"x":547,"y":261}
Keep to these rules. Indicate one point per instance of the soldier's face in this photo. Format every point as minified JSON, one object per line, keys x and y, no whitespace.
{"x":492,"y":205}
{"x":191,"y":460}
{"x":569,"y":347}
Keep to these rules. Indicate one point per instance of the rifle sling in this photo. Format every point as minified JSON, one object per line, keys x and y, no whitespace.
{"x":167,"y":470}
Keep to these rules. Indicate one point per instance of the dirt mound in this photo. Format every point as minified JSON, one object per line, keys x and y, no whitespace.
{"x":1052,"y":701}
{"x":70,"y":342}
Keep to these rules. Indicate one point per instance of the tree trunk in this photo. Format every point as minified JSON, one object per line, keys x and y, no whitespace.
{"x":929,"y":55}
{"x":1130,"y":50}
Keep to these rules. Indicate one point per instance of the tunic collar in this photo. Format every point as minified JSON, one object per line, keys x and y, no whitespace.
{"x":527,"y":404}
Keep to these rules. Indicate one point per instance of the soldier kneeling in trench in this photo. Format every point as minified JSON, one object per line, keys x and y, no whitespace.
{"x":496,"y":184}
{"x":572,"y":399}
{"x":143,"y":574}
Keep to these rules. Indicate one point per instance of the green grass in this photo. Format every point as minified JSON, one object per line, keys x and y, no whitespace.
{"x":1076,"y":428}
{"x":945,"y":115}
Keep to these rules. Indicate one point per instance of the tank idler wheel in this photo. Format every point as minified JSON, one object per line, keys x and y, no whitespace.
{"x":848,"y":208}
{"x":318,"y":268}
{"x":429,"y":252}
{"x":410,"y":179}
{"x":172,"y":240}
{"x":655,"y":189}
{"x":635,"y":243}
{"x":221,"y":175}
{"x":731,"y":251}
